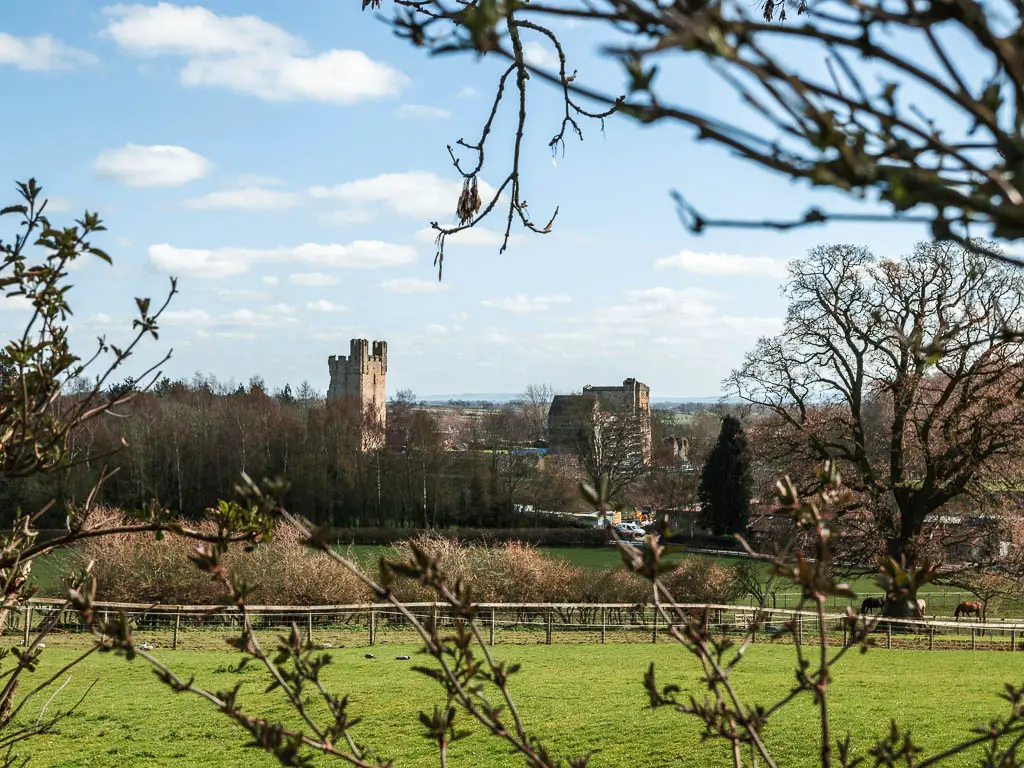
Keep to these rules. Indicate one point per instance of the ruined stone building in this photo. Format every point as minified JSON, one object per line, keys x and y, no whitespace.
{"x":360,"y":378}
{"x":573,"y":418}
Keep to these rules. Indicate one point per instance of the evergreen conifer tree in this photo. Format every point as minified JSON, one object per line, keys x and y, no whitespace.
{"x":725,"y":481}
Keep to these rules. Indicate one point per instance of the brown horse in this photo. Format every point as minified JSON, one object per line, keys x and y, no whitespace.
{"x":967,"y":609}
{"x":872,"y":604}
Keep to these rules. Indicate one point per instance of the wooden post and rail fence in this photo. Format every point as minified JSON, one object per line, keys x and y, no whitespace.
{"x":184,"y":626}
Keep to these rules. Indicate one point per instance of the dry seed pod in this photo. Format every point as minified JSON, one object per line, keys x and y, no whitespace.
{"x":469,"y":200}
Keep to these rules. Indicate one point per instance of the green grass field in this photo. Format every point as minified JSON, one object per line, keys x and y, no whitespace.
{"x":576,"y":698}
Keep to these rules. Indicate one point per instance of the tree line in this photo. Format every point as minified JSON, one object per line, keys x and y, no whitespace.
{"x":186,"y":442}
{"x":182,"y":443}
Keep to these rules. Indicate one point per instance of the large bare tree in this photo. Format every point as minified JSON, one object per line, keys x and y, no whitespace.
{"x":610,"y":448}
{"x":906,"y":372}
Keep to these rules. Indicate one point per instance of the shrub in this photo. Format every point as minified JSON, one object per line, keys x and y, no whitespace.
{"x":514,"y":572}
{"x":136,"y":568}
{"x":541,"y":537}
{"x":699,"y":580}
{"x":511,"y":572}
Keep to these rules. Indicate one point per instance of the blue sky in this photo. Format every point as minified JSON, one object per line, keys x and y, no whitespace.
{"x":284,"y":159}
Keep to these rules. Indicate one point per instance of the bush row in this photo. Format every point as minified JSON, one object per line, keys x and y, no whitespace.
{"x":538,"y":537}
{"x":138,"y":569}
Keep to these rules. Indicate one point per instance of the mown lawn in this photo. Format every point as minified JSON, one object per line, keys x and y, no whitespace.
{"x":577,"y":698}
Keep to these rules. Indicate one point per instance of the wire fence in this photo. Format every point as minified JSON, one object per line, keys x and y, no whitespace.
{"x":206,"y":627}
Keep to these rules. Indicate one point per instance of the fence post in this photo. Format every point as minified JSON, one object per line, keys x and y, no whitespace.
{"x":373,"y":626}
{"x":551,"y":612}
{"x":654,"y":624}
{"x":973,"y":636}
{"x":492,"y":625}
{"x":603,"y":624}
{"x":177,"y":626}
{"x":309,"y":627}
{"x":433,"y":620}
{"x":28,"y":623}
{"x":888,"y":636}
{"x":844,"y":633}
{"x":931,"y":638}
{"x":1013,"y":639}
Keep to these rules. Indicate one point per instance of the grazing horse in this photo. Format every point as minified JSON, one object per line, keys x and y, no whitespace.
{"x":872,"y":604}
{"x":967,"y":609}
{"x":922,"y":606}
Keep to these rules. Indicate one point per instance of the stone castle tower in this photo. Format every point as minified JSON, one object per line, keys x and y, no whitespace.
{"x":360,"y":377}
{"x":571,"y":416}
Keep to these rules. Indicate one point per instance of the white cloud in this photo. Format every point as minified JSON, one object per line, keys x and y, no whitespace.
{"x":185,"y":317}
{"x":224,"y":262}
{"x":243,"y":295}
{"x":41,"y":52}
{"x":273,"y":317}
{"x":359,"y":254}
{"x":203,"y":334}
{"x":536,"y":55}
{"x":466,"y":92}
{"x":693,"y":313}
{"x":413,"y":285}
{"x":722,"y":264}
{"x":418,"y":194}
{"x":14,"y":303}
{"x":340,"y":77}
{"x":494,"y":335}
{"x":57,"y":204}
{"x":249,"y":55}
{"x":194,"y":262}
{"x":259,"y":180}
{"x":338,"y":334}
{"x":101,"y":318}
{"x":313,"y":279}
{"x":322,"y":305}
{"x":525,"y":305}
{"x":474,"y":237}
{"x":270,"y":280}
{"x":434,"y":329}
{"x":421,"y":111}
{"x":193,"y":31}
{"x":245,"y":199}
{"x":346,"y":216}
{"x":152,"y":166}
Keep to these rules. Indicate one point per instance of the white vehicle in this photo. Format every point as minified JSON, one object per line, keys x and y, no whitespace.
{"x":630,"y":531}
